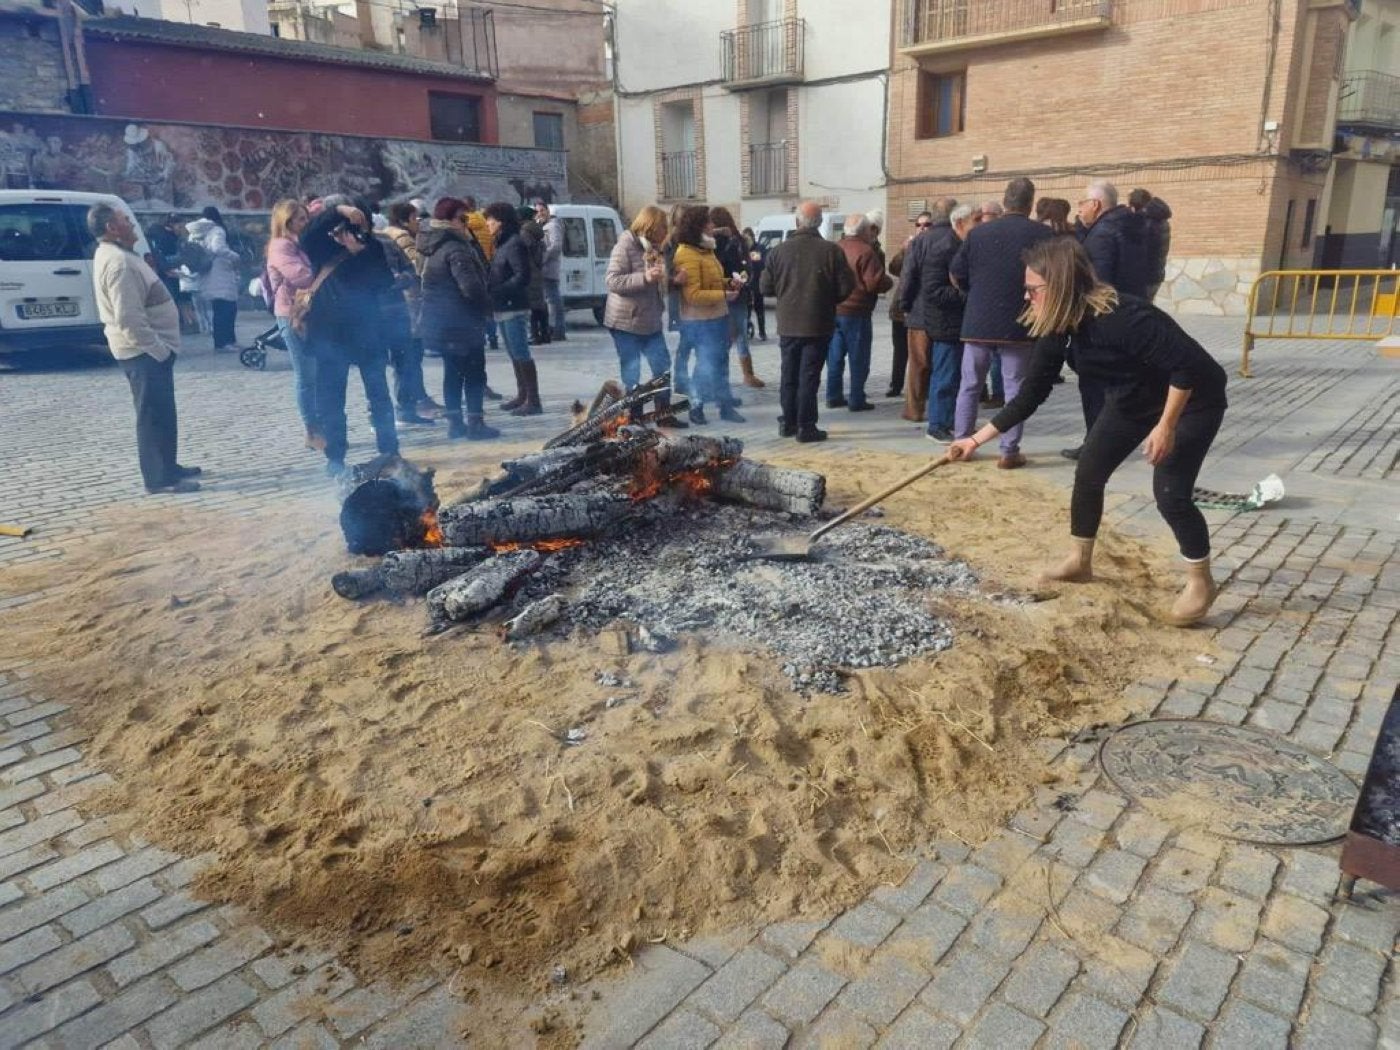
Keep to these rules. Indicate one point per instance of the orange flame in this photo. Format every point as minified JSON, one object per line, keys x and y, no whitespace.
{"x":543,"y":546}
{"x":432,"y":533}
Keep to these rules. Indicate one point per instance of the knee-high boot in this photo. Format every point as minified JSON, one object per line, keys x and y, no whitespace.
{"x":521,"y":392}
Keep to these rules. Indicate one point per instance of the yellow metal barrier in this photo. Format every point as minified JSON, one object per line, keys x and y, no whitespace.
{"x":1321,"y":304}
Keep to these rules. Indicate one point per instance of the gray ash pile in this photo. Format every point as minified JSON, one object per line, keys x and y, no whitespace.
{"x":861,"y":601}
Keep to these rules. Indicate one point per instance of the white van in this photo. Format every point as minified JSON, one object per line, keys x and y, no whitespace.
{"x":46,"y":296}
{"x":771,"y":230}
{"x":590,"y":231}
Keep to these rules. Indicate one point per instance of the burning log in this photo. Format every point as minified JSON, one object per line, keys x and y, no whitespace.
{"x":772,"y":488}
{"x":609,"y":418}
{"x":408,"y":573}
{"x":387,"y":504}
{"x":480,"y":588}
{"x":532,"y":519}
{"x":693,"y":452}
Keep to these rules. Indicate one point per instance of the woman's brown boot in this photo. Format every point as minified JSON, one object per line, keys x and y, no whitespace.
{"x":1077,"y":568}
{"x":522,"y":391}
{"x":1195,"y":599}
{"x":746,"y":366}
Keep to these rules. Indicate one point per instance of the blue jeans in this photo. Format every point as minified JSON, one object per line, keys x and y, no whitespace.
{"x":333,"y":365}
{"x":515,"y":331}
{"x":852,"y":339}
{"x":739,"y":328}
{"x":711,"y":342}
{"x":304,"y":370}
{"x":631,"y":348}
{"x":945,"y":373}
{"x":554,"y":299}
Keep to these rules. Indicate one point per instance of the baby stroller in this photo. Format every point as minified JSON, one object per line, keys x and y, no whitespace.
{"x":255,"y":356}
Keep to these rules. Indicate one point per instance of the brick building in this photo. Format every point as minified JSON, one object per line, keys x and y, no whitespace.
{"x":750,"y":103}
{"x":1224,"y":108}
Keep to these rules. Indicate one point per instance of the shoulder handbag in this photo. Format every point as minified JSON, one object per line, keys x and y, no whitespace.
{"x":302,"y":300}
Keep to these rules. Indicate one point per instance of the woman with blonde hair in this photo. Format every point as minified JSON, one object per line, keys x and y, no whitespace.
{"x":636,"y":280}
{"x":288,"y":272}
{"x":1162,"y":387}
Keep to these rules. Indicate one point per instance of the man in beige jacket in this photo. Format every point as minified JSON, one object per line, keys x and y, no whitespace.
{"x":142,"y":326}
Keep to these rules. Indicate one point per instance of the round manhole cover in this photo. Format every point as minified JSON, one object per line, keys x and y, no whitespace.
{"x":1230,"y":780}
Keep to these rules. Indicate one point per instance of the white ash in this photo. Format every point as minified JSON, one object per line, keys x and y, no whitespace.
{"x":860,"y":601}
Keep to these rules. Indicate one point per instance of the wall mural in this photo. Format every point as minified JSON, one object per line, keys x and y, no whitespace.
{"x":183,"y":167}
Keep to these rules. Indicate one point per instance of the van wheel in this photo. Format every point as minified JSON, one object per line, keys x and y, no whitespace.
{"x":598,"y":315}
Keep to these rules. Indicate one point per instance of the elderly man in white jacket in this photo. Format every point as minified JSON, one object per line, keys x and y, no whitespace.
{"x":142,"y":326}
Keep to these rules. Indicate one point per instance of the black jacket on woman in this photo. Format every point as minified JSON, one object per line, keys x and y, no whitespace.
{"x":733,"y":258}
{"x":1135,"y":352}
{"x":346,"y":309}
{"x":533,"y":236}
{"x":455,"y":297}
{"x":510,"y":272}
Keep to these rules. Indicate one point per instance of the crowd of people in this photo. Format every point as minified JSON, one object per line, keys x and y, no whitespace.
{"x":990,"y":303}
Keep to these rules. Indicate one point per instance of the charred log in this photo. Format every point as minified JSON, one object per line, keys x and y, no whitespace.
{"x":611,"y":416}
{"x":772,"y":488}
{"x":534,"y":618}
{"x":482,"y":587}
{"x":693,"y":452}
{"x":408,"y":573}
{"x":532,"y":519}
{"x":385,"y":504}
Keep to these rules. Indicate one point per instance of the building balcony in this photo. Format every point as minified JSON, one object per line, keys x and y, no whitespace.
{"x":768,"y":170}
{"x":768,"y":54}
{"x":1369,"y":101}
{"x":930,"y":27}
{"x":678,"y":176}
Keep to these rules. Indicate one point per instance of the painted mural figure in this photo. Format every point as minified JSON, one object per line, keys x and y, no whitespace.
{"x":51,"y":168}
{"x":17,"y":149}
{"x":150,"y":166}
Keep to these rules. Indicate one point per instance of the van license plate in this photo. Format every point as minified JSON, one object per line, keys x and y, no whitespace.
{"x":43,"y":311}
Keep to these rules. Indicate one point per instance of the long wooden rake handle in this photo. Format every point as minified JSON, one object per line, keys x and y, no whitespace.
{"x":879,"y":497}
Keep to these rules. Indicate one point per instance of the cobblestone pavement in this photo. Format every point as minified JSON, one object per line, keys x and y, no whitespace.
{"x":1084,"y":922}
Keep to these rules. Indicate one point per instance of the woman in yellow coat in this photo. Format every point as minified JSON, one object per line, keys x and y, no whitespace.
{"x":705,"y":297}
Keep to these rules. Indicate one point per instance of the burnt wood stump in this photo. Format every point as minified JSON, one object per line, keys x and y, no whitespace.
{"x":532,"y":519}
{"x":480,"y":588}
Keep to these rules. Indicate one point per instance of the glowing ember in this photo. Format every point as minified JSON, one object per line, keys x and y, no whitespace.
{"x":432,"y":534}
{"x":543,"y":546}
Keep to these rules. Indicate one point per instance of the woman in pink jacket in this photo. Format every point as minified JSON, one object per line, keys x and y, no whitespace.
{"x":288,"y":272}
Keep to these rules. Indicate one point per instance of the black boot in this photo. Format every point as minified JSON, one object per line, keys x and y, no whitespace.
{"x":531,"y":405}
{"x":477,"y":430}
{"x":456,"y":428}
{"x":520,"y":392}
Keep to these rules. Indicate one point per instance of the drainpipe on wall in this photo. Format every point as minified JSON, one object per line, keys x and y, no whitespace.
{"x":80,"y":98}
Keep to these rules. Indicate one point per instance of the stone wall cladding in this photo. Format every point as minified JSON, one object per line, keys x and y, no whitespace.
{"x":31,"y":67}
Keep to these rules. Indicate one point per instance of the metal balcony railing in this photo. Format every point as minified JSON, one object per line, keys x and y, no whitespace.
{"x":768,"y":169}
{"x":947,"y":24}
{"x":678,"y":181}
{"x":1370,"y":100}
{"x":766,"y":53}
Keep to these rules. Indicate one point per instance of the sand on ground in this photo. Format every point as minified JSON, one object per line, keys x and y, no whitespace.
{"x":401,"y":799}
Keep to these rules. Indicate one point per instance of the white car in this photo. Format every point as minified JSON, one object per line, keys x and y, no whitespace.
{"x":46,"y":295}
{"x":590,"y":231}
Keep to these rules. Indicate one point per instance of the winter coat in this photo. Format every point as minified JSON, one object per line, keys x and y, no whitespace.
{"x":931,"y":301}
{"x":1117,"y":246}
{"x":703,"y":294}
{"x":808,"y":275}
{"x":346,"y":315}
{"x":553,"y":248}
{"x":406,"y":243}
{"x":533,"y":235}
{"x":989,"y":269}
{"x":456,"y":299}
{"x":896,"y":268}
{"x":733,"y":259}
{"x":1157,"y":227}
{"x":401,"y":302}
{"x":476,"y":223}
{"x":1135,"y":352}
{"x":221,"y":282}
{"x":288,"y":272}
{"x":634,"y":305}
{"x":871,"y":279}
{"x":510,"y":273}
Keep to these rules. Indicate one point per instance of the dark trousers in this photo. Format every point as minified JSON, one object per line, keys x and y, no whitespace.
{"x":153,"y":393}
{"x":463,"y":381}
{"x":333,"y":364}
{"x":225,"y":313}
{"x":1112,"y":439}
{"x":1090,"y":400}
{"x":803,"y":358}
{"x":899,"y":336}
{"x":539,"y":325}
{"x":760,"y":314}
{"x":406,"y":355}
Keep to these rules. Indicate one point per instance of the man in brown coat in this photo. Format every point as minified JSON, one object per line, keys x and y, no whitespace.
{"x":852,"y":338}
{"x":809,"y":276}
